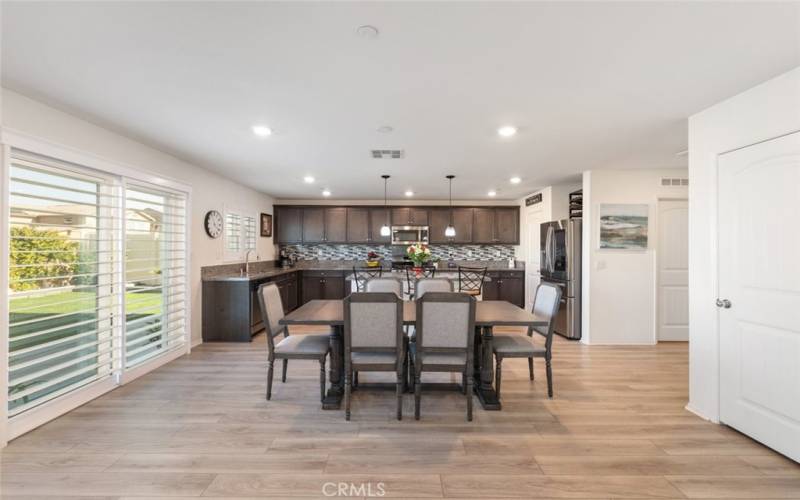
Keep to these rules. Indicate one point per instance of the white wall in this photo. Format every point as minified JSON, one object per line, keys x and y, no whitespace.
{"x":619,"y":287}
{"x":769,"y":110}
{"x":209,"y":190}
{"x":554,"y":205}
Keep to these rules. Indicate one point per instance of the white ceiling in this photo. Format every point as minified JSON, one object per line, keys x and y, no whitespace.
{"x":593,"y":85}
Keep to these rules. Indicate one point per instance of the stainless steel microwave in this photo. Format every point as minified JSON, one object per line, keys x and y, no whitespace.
{"x":409,"y":235}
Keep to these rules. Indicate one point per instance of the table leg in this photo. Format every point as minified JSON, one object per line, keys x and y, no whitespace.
{"x":483,"y":383}
{"x":333,"y":399}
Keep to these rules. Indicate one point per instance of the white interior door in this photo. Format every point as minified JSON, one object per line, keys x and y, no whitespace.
{"x":673,"y":270}
{"x":534,"y":216}
{"x":759,"y":273}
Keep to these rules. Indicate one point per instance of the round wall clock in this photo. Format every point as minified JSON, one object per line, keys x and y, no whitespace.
{"x":213,"y":224}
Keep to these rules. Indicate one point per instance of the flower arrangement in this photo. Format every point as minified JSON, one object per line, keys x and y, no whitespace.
{"x":419,"y":254}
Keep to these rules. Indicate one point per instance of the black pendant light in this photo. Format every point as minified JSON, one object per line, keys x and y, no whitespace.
{"x":385,"y":229}
{"x":450,"y":230}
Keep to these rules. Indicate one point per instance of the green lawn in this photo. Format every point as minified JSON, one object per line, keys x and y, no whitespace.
{"x":70,"y":302}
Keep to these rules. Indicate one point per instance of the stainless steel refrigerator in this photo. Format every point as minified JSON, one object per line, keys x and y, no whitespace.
{"x":561,"y":265}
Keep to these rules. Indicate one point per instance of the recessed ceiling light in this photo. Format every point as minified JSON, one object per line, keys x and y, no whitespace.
{"x":492,"y":193}
{"x":326,"y":193}
{"x":367,"y":32}
{"x":386,"y":129}
{"x":308,"y":179}
{"x":515,"y":180}
{"x":507,"y":131}
{"x":262,"y":131}
{"x":409,"y":193}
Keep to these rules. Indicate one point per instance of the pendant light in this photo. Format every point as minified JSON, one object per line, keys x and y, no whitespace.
{"x":385,"y":229}
{"x":450,"y":230}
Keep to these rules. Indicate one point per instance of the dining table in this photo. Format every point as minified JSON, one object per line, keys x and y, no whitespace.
{"x":488,"y":314}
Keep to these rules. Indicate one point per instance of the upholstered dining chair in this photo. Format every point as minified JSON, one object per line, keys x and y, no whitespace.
{"x":394,"y":285}
{"x":412,"y":278}
{"x":545,"y":305}
{"x":373,"y":339}
{"x":423,"y":286}
{"x":362,"y":275}
{"x":313,"y":346}
{"x":445,"y":340}
{"x":470,"y":280}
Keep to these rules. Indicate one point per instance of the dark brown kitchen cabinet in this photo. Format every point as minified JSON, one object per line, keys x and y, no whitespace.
{"x":379,"y":217}
{"x":409,"y":216}
{"x":336,"y":225}
{"x":358,"y":225}
{"x":323,"y":285}
{"x":505,"y":285}
{"x":289,"y":224}
{"x":439,"y":218}
{"x":496,"y":225}
{"x":313,"y":225}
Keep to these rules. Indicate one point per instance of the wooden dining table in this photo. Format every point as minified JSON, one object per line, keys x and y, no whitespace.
{"x":488,"y":314}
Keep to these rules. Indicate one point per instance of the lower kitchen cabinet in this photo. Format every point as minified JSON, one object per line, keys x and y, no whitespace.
{"x":323,"y":285}
{"x":506,"y":285}
{"x":232,"y":311}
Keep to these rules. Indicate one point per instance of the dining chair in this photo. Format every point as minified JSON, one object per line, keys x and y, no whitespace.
{"x":470,"y":280}
{"x":423,"y":286}
{"x":363,"y":274}
{"x":412,"y":277}
{"x":545,"y":305}
{"x":445,"y":340}
{"x":394,"y":285}
{"x":373,"y":339}
{"x":313,"y":346}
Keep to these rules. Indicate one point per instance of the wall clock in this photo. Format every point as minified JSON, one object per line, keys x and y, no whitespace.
{"x":213,"y":223}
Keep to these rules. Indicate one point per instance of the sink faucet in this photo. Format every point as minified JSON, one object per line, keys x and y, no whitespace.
{"x":247,"y":262}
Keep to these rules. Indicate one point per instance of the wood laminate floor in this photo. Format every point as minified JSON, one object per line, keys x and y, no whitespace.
{"x":200,"y":426}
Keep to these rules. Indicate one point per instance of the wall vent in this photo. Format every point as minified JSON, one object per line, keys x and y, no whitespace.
{"x":388,"y":154}
{"x":674,"y":181}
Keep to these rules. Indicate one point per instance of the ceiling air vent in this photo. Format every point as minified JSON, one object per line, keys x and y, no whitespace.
{"x":388,"y":154}
{"x":674,"y":181}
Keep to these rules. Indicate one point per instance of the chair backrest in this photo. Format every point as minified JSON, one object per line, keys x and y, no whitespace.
{"x":470,"y":279}
{"x":426,"y":285}
{"x":269,"y":298}
{"x":363,"y":274}
{"x":546,"y":301}
{"x":412,"y":276}
{"x":445,"y":322}
{"x":373,"y":322}
{"x":393,"y":285}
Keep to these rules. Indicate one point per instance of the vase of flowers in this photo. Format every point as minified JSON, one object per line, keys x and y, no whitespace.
{"x":419,"y":254}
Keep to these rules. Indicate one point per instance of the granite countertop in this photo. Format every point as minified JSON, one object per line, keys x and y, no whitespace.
{"x":266,"y":269}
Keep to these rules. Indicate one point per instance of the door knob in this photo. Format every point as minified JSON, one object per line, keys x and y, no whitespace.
{"x":724,"y":303}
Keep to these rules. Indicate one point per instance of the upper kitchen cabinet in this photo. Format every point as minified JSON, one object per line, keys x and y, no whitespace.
{"x":496,"y":225}
{"x":358,"y":225}
{"x":325,"y":225}
{"x":439,"y":218}
{"x":409,"y":216}
{"x":379,"y":217}
{"x":289,"y":224}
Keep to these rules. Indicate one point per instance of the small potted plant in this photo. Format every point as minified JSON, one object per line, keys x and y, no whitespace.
{"x":373,"y":259}
{"x":419,"y":254}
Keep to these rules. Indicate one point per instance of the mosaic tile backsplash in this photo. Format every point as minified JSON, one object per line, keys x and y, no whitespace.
{"x":443,"y":252}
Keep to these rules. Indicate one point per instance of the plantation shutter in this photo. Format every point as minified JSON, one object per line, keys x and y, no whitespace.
{"x":155,"y":272}
{"x":64,"y":237}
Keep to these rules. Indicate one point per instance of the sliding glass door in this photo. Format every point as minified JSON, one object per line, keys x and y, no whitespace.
{"x":97,"y":278}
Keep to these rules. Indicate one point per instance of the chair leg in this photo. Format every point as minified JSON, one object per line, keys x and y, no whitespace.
{"x":269,"y":379}
{"x":464,"y":382}
{"x":469,"y":399}
{"x":410,"y":374}
{"x":530,"y":367}
{"x":417,"y":395}
{"x":400,"y":385}
{"x":347,"y":389}
{"x":498,"y":375}
{"x":549,"y":380}
{"x":283,"y":375}
{"x":322,"y":379}
{"x":355,"y":379}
